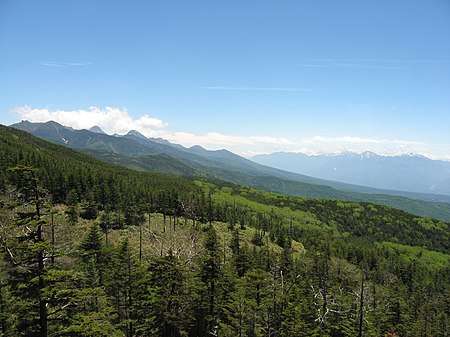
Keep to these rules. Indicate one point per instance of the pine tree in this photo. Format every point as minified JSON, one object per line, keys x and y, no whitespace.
{"x":163,"y":308}
{"x":210,"y":274}
{"x":121,"y":287}
{"x":92,"y":315}
{"x":27,"y":253}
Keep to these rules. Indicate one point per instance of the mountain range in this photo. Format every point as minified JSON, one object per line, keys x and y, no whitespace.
{"x":414,"y":173}
{"x":136,"y":151}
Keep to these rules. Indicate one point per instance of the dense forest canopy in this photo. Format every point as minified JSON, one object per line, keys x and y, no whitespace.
{"x":93,"y":249}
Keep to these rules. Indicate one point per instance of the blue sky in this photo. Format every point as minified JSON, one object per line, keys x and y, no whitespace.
{"x":251,"y":76}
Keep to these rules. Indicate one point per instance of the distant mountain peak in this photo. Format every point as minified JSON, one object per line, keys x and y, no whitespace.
{"x":416,"y":155}
{"x":97,"y":129}
{"x":196,"y":147}
{"x":159,"y":139}
{"x":135,"y":133}
{"x":25,"y":125}
{"x":368,"y":155}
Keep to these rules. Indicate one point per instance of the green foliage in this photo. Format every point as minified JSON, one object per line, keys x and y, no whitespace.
{"x":417,"y":255}
{"x":146,"y":155}
{"x":164,"y":310}
{"x":92,"y":244}
{"x":295,"y":267}
{"x":374,"y":222}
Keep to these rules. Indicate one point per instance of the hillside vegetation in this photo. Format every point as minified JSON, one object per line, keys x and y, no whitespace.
{"x":93,"y":249}
{"x":148,"y":154}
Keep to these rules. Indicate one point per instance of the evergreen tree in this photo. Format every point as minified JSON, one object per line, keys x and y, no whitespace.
{"x":163,"y":309}
{"x":121,"y":287}
{"x":210,"y":274}
{"x":26,"y":254}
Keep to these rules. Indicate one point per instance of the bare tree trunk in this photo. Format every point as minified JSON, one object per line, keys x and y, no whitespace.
{"x":130,"y":300}
{"x":224,"y":252}
{"x":234,"y":212}
{"x":53,"y":239}
{"x":140,"y":241}
{"x":42,"y":301}
{"x":361,"y":308}
{"x":40,"y":256}
{"x":174,"y":220}
{"x":149,"y":215}
{"x":164,"y":221}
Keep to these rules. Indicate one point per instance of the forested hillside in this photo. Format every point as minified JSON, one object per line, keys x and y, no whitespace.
{"x":147,"y":154}
{"x":93,"y":249}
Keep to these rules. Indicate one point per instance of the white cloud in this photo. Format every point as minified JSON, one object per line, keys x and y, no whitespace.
{"x":115,"y":120}
{"x":215,"y":139}
{"x":358,"y":140}
{"x":111,"y":120}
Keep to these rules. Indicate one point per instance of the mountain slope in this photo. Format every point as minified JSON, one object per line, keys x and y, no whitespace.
{"x":221,"y":164}
{"x":133,"y":150}
{"x":158,"y":162}
{"x":61,"y":169}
